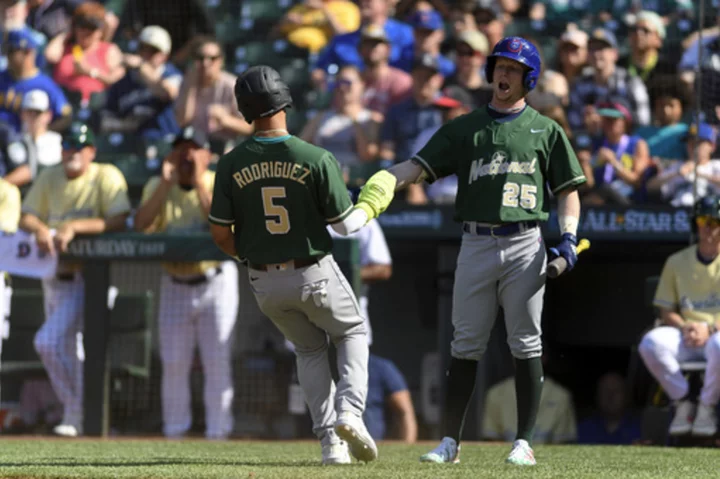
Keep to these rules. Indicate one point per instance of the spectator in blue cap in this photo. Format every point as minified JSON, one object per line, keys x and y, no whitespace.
{"x":14,"y":16}
{"x":676,"y":183}
{"x":429,"y":31}
{"x":23,"y":76}
{"x":605,"y":78}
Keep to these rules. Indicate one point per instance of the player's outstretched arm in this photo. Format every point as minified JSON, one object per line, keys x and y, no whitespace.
{"x":379,"y":191}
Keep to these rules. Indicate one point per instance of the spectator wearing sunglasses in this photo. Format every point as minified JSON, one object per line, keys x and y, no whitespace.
{"x":142,"y":101}
{"x":646,"y":39}
{"x":676,"y":183}
{"x":471,"y":50}
{"x":207,"y":99}
{"x":385,"y":85}
{"x":84,"y":62}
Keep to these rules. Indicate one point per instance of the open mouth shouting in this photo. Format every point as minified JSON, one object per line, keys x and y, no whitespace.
{"x":504,"y":87}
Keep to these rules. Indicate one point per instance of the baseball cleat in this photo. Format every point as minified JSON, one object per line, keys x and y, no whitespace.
{"x":447,"y":451}
{"x":352,"y":430}
{"x":705,"y":423}
{"x":521,"y":454}
{"x":335,"y":454}
{"x":682,"y":423}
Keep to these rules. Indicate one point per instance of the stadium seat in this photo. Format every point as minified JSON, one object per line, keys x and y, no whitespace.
{"x":264,"y":9}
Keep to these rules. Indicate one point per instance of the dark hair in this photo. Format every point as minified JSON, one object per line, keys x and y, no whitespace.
{"x":200,"y":41}
{"x":666,"y":85}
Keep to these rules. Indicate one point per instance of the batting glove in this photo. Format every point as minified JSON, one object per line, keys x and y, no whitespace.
{"x":567,"y":248}
{"x":377,"y":194}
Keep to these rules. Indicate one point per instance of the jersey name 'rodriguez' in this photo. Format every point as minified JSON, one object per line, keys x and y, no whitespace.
{"x":502,"y":167}
{"x":280,"y":197}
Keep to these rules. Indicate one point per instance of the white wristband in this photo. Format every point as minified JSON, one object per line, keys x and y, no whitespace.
{"x":568,"y":224}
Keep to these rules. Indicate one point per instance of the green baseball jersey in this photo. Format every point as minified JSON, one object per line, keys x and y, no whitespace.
{"x":279,"y":197}
{"x":502,"y":167}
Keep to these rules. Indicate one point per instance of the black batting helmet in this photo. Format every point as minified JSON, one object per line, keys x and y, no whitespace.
{"x":260,"y":92}
{"x":706,"y":206}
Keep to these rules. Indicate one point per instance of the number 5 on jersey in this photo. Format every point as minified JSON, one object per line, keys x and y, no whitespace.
{"x":527,"y":193}
{"x":280,"y":223}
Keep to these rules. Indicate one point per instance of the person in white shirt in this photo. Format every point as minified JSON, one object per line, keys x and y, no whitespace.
{"x":676,"y":182}
{"x":45,"y":146}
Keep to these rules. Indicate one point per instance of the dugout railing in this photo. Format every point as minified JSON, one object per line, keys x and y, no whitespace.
{"x":120,"y":308}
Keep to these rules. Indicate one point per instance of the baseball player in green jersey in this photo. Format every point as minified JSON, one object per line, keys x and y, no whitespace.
{"x":273,"y":197}
{"x":504,"y":155}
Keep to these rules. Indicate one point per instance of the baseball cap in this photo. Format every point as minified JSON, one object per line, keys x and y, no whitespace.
{"x":36,"y":100}
{"x":374,"y":32}
{"x":575,"y":37}
{"x":454,"y":97}
{"x":22,"y":38}
{"x":615,"y":107}
{"x":702,"y":132}
{"x":157,"y":37}
{"x":603,"y":35}
{"x":475,"y":40}
{"x":487,"y":11}
{"x":427,"y":60}
{"x":78,"y":136}
{"x":427,"y":20}
{"x":190,"y":133}
{"x":654,"y":20}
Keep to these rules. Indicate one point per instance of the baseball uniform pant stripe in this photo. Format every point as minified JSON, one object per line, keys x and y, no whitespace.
{"x":663,"y":349}
{"x":307,"y":305}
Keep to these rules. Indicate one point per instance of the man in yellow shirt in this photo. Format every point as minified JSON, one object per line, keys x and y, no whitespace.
{"x":313,"y":23}
{"x":198,"y":301}
{"x":556,"y":414}
{"x":76,"y":197}
{"x":689,"y":303}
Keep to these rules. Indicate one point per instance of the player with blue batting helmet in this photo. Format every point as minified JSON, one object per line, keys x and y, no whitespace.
{"x":520,"y":50}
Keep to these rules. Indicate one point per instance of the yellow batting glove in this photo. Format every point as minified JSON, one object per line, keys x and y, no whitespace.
{"x":377,"y":194}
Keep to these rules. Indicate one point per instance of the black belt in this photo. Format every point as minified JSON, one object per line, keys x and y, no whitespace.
{"x":295,"y":263}
{"x":195,"y":280}
{"x":67,"y":277}
{"x":506,"y":229}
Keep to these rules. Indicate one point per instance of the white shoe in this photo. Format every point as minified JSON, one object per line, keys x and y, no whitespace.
{"x":66,"y":430}
{"x":682,"y":423}
{"x":335,"y":454}
{"x":705,"y":423}
{"x":521,"y":454}
{"x":447,"y":451}
{"x":352,"y":430}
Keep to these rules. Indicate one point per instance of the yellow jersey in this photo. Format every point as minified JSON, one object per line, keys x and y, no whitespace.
{"x":314,"y":32}
{"x":182,"y":213}
{"x":690,"y":287}
{"x":9,"y":207}
{"x":100,"y":192}
{"x":555,"y":420}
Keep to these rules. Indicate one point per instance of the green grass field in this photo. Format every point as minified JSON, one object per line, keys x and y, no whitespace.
{"x":84,"y":458}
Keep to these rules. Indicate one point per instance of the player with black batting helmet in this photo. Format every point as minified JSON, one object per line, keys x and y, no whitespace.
{"x":273,"y":197}
{"x":504,"y":154}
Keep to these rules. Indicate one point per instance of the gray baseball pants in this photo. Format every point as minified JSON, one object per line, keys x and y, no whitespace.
{"x":507,"y":271}
{"x":308,"y":305}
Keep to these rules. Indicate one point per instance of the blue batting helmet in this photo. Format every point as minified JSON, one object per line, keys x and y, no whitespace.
{"x":520,"y":50}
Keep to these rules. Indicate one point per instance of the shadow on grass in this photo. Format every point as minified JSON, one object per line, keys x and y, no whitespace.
{"x":158,"y":462}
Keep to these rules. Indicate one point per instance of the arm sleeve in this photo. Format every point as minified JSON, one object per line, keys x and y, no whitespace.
{"x":221,"y":209}
{"x":563,"y":169}
{"x":152,"y":184}
{"x":439,"y":156}
{"x":375,"y":249}
{"x":115,"y":200}
{"x":393,"y":380}
{"x":10,"y":207}
{"x":332,"y":192}
{"x":666,"y":293}
{"x":36,"y":200}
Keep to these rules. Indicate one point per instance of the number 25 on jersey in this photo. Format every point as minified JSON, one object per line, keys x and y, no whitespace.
{"x":526,"y":194}
{"x":278,"y":220}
